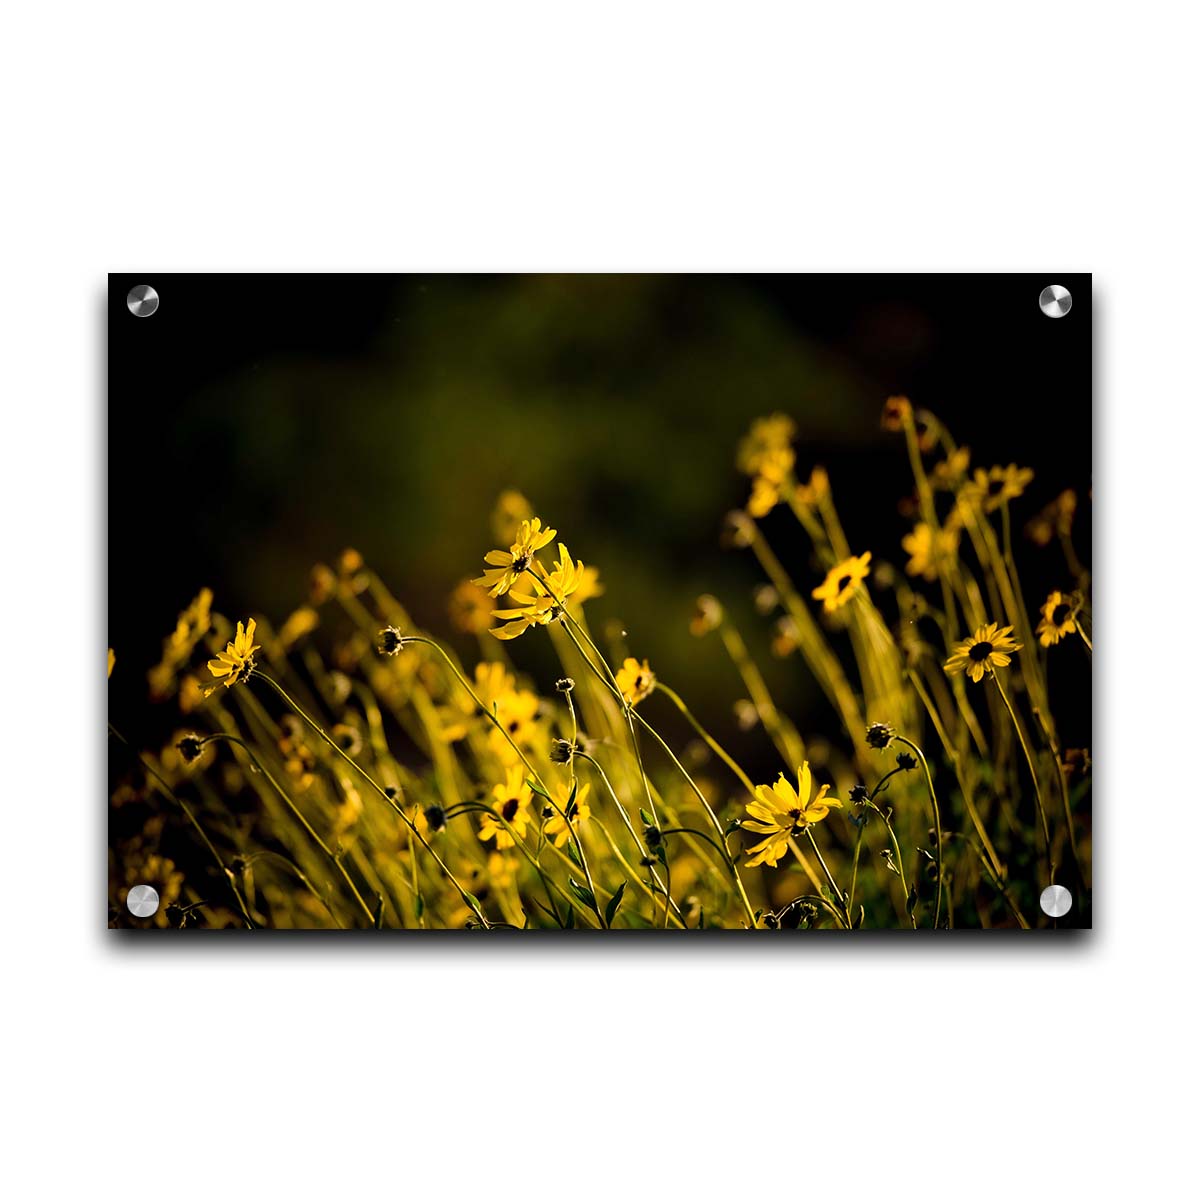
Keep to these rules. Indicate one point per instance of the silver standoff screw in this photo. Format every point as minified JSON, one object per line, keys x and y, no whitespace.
{"x":1055,"y":300}
{"x":143,"y":300}
{"x":1056,"y":901}
{"x":142,"y":900}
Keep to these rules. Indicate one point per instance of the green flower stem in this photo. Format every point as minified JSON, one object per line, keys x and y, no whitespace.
{"x":1037,"y":787}
{"x":896,"y":848}
{"x":954,"y":757}
{"x":669,"y":903}
{"x":728,"y":760}
{"x":300,"y":875}
{"x":336,"y":862}
{"x":712,"y":816}
{"x":468,"y":899}
{"x":937,"y":825}
{"x":837,"y":891}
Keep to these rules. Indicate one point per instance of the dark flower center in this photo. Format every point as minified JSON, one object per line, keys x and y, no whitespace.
{"x":795,"y":814}
{"x":845,"y":582}
{"x":510,"y":808}
{"x":995,"y":487}
{"x":1060,"y":614}
{"x":521,"y":562}
{"x":980,"y":651}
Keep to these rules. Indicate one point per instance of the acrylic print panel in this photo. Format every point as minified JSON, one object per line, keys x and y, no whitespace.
{"x":600,"y":602}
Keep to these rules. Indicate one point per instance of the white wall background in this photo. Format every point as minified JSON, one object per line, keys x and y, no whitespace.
{"x":568,"y":136}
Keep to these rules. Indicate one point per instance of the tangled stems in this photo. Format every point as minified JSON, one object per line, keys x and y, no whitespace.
{"x":541,"y":787}
{"x":195,"y":825}
{"x":712,"y":816}
{"x":336,"y":862}
{"x":728,"y":760}
{"x":937,"y":825}
{"x":668,"y":902}
{"x":631,"y":715}
{"x":467,"y":898}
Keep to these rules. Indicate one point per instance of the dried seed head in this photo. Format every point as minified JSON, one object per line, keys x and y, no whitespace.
{"x":561,"y":751}
{"x":905,"y":761}
{"x":435,"y":817}
{"x":566,"y":684}
{"x":390,"y":641}
{"x":879,"y":736}
{"x":189,"y":748}
{"x":859,"y":794}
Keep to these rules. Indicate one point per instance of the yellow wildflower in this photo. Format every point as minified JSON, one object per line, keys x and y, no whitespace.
{"x":502,"y":869}
{"x":768,"y":436}
{"x":545,"y":603}
{"x":635,"y":680}
{"x":1058,"y":618}
{"x":517,"y":714}
{"x":947,"y":475}
{"x":842,"y":581}
{"x":510,"y":803}
{"x":990,"y":646}
{"x":509,"y":565}
{"x":112,"y":658}
{"x":578,"y":812}
{"x":920,"y":546}
{"x":781,"y":811}
{"x":999,"y":485}
{"x":236,"y":661}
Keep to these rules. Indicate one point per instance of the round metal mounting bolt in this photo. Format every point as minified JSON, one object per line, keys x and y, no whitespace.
{"x":1056,"y":901}
{"x":142,"y":900}
{"x":1055,"y":300}
{"x":142,"y":300}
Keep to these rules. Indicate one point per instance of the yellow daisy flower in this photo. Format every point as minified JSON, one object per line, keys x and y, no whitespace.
{"x":947,"y":475}
{"x":502,"y":869}
{"x":470,"y":608}
{"x":236,"y":661}
{"x":555,"y":827}
{"x":815,"y":490}
{"x":990,"y":646}
{"x":510,"y":803}
{"x":999,"y":485}
{"x":768,"y":436}
{"x":782,"y":811}
{"x":774,"y":467}
{"x":517,"y":713}
{"x":919,"y":545}
{"x":635,"y":680}
{"x":509,"y":565}
{"x":545,"y":603}
{"x":842,"y":581}
{"x":1058,"y":618}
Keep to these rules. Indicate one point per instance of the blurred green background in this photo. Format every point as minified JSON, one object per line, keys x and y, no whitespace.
{"x":260,"y":424}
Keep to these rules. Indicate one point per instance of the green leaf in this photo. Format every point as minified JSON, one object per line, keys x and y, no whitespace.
{"x":573,"y":854}
{"x":584,"y":894}
{"x":569,"y":919}
{"x":647,"y":819}
{"x":378,"y":912}
{"x":536,"y":787}
{"x":610,"y":909}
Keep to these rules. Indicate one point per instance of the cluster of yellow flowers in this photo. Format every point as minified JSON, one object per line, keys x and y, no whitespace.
{"x":387,"y":783}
